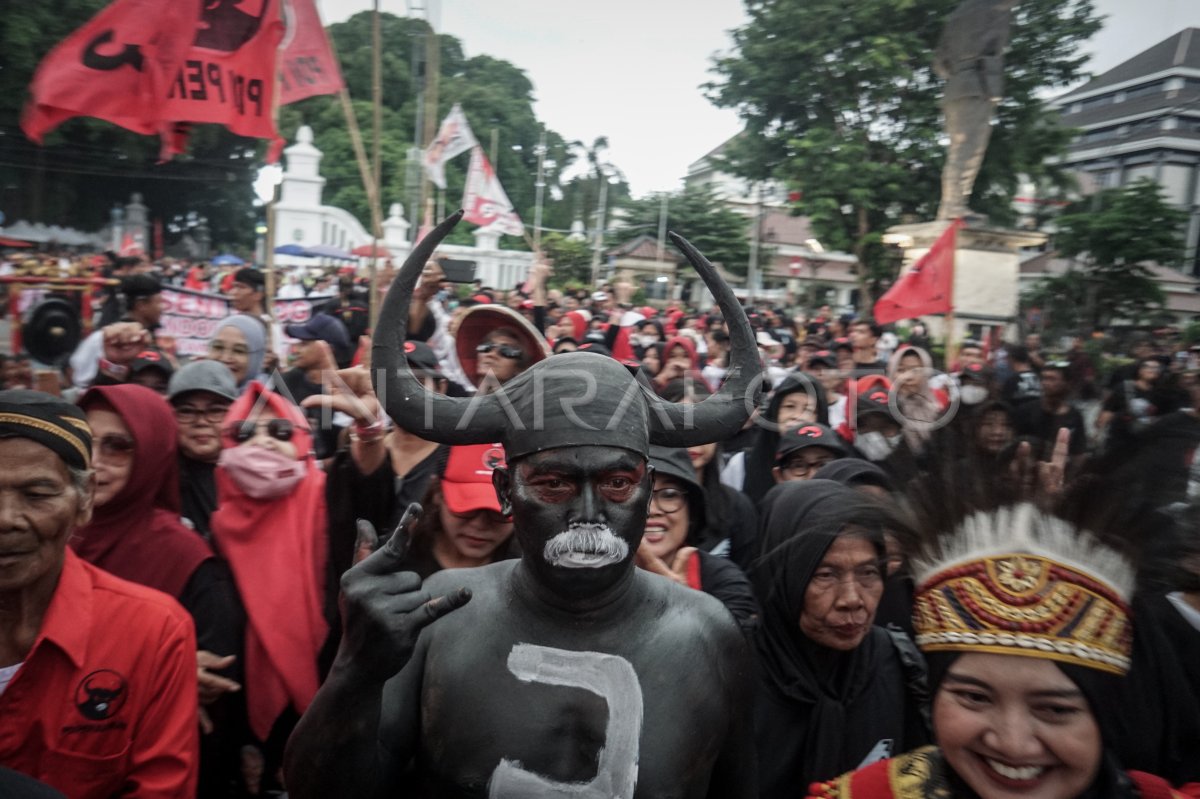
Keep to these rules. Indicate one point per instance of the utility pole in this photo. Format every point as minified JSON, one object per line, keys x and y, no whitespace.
{"x":598,"y":241}
{"x":539,"y":192}
{"x":752,"y":277}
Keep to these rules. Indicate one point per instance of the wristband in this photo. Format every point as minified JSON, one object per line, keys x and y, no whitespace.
{"x":114,"y":369}
{"x":367,"y":434}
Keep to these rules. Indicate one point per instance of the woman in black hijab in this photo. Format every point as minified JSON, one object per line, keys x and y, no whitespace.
{"x":835,"y":692}
{"x":799,"y":399}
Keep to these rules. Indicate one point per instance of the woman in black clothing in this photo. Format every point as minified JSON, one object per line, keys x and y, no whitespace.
{"x":836,"y":691}
{"x":730,"y":520}
{"x":671,"y":547}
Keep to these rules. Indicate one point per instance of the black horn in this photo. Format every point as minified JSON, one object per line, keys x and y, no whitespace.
{"x":430,"y":415}
{"x":674,"y":424}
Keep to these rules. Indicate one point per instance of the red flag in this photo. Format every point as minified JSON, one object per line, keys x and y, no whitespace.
{"x":228,"y":77}
{"x":117,"y":67}
{"x":926,"y":287}
{"x":307,"y":66}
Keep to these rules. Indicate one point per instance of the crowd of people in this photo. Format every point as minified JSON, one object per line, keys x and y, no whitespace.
{"x":953,"y":572}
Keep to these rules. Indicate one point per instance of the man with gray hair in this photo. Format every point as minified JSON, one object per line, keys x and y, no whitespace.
{"x":97,"y":675}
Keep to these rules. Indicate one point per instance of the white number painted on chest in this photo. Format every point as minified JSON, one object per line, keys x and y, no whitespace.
{"x":610,"y":677}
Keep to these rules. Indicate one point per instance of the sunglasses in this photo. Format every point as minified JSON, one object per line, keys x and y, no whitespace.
{"x":115,"y":448}
{"x":506,"y":350}
{"x":243,"y":431}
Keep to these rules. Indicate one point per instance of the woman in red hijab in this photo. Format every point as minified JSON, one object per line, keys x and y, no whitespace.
{"x":270,"y":524}
{"x":135,"y":533}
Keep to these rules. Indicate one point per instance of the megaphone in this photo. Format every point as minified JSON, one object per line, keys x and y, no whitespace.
{"x":51,"y":331}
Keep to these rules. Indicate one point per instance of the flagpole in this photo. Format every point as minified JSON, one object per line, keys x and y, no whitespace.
{"x":364,"y":171}
{"x":377,"y":127}
{"x":951,"y":349}
{"x":539,"y":192}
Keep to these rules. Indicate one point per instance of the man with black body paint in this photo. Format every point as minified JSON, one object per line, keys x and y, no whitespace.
{"x":568,"y":672}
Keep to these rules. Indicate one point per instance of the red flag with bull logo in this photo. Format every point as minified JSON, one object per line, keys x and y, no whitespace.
{"x":228,"y":77}
{"x":116,"y":67}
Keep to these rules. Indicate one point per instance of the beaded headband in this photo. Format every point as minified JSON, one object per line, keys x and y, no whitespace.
{"x":1019,"y":582}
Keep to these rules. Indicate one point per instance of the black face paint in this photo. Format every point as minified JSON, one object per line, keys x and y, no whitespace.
{"x":578,"y":514}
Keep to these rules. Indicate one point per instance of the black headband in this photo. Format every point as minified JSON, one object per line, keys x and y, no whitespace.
{"x":50,"y":421}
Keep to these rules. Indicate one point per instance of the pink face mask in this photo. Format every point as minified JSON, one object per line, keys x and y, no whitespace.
{"x":262,"y":473}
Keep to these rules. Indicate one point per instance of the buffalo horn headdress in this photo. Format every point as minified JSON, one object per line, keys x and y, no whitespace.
{"x":572,"y":399}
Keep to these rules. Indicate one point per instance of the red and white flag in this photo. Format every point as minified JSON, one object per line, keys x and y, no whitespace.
{"x":484,"y":200}
{"x":926,"y":287}
{"x":307,"y":67}
{"x":228,"y":77}
{"x":117,"y":67}
{"x":453,"y":138}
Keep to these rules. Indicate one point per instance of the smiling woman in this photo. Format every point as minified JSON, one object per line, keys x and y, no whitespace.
{"x":1025,"y":621}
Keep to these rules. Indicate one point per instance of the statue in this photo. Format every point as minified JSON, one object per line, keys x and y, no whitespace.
{"x":970,"y":58}
{"x":569,"y":673}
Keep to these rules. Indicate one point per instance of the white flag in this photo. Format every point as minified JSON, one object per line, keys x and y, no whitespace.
{"x":453,"y":138}
{"x":484,"y":200}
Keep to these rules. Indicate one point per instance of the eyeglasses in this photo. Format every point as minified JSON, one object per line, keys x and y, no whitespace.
{"x":189,"y":414}
{"x":219,"y":348}
{"x":243,"y":431}
{"x":114,"y":447}
{"x":869,"y":575}
{"x":506,"y":350}
{"x":669,"y":500}
{"x":802,"y":468}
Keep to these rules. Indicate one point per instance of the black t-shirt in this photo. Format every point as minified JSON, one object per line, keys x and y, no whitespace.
{"x":325,"y":436}
{"x":721,"y":578}
{"x":1032,"y":419}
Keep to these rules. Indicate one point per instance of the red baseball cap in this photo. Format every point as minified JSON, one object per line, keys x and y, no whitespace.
{"x":467,"y":482}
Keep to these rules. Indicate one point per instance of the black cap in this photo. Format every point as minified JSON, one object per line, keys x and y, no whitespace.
{"x":322,"y":327}
{"x":805,"y":436}
{"x":152,"y":358}
{"x":421,"y":358}
{"x":842,"y":344}
{"x":822,"y":358}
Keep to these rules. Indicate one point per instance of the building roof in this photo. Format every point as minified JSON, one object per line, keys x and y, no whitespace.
{"x":1180,"y":50}
{"x":644,"y":246}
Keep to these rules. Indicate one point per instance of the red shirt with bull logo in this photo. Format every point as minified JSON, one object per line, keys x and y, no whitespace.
{"x":105,"y":703}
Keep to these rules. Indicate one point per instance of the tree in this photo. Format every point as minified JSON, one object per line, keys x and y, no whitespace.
{"x":1111,"y":236}
{"x":572,"y":260}
{"x":840,"y":101}
{"x":695,"y":213}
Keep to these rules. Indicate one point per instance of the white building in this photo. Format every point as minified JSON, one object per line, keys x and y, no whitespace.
{"x":301,"y":218}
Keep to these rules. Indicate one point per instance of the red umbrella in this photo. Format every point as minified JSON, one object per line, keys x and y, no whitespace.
{"x":6,"y":242}
{"x":368,"y":250}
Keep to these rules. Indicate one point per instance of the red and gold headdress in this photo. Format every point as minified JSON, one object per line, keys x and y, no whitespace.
{"x":1016,"y":580}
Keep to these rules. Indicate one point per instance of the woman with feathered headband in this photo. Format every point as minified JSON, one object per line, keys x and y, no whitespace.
{"x":1024,"y":617}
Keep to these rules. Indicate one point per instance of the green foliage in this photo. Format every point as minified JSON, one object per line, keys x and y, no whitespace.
{"x":700,"y":217}
{"x":840,"y":101}
{"x":87,"y":166}
{"x":1111,"y":235}
{"x":572,"y":260}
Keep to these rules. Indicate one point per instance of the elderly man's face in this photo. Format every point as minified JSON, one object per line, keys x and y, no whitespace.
{"x":578,"y":514}
{"x":39,"y":509}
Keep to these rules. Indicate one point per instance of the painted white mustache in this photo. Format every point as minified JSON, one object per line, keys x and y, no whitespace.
{"x":585,"y":546}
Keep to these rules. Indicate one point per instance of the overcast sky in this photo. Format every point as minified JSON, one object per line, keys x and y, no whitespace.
{"x":631,"y":69}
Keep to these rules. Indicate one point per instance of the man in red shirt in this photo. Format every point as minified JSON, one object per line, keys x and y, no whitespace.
{"x":97,"y":675}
